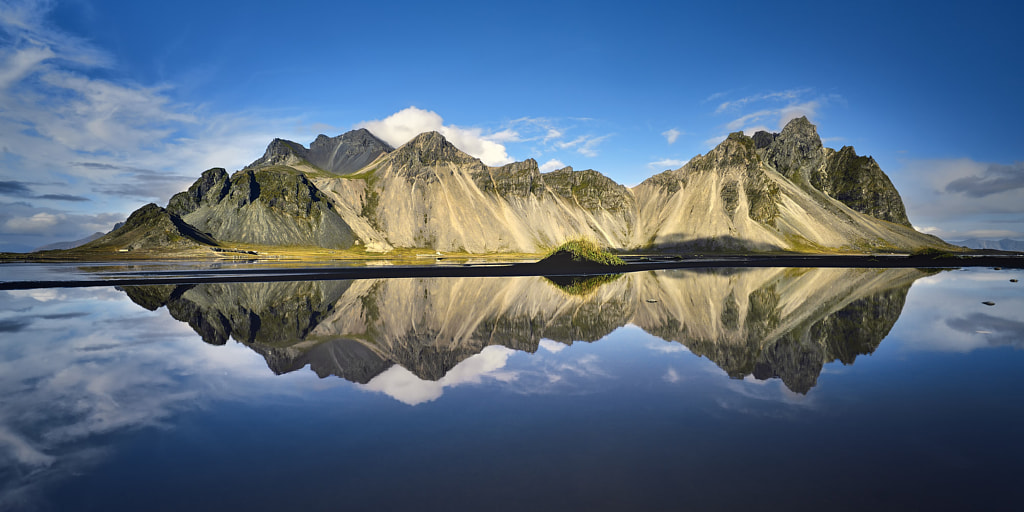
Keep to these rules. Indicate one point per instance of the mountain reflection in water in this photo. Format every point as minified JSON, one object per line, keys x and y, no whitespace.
{"x":765,"y":322}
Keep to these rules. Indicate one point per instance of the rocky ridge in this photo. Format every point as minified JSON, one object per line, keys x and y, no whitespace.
{"x":769,"y":192}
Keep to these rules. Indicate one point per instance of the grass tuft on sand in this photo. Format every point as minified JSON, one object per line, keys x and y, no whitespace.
{"x":584,"y":250}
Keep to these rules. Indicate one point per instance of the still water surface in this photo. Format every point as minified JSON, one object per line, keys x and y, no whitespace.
{"x":822,"y":389}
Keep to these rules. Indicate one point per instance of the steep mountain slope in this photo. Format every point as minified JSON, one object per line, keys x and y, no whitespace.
{"x":428,"y":193}
{"x":273,"y":205}
{"x":759,"y":194}
{"x":856,"y":181}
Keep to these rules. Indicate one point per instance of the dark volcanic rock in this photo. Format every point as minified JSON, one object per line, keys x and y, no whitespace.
{"x":266,"y":206}
{"x":589,"y":189}
{"x":763,"y":139}
{"x":152,"y":227}
{"x":517,"y":179}
{"x":281,"y":152}
{"x":858,"y":182}
{"x":797,"y":151}
{"x":210,"y":188}
{"x":347,"y":152}
{"x":430,"y":148}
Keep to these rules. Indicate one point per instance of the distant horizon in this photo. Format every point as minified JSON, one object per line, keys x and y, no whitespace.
{"x":107,"y":106}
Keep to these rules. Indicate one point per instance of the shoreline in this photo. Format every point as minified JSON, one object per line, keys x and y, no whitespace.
{"x":633,"y":264}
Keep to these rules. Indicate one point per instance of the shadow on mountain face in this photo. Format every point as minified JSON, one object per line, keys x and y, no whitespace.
{"x":724,"y":244}
{"x":765,"y":322}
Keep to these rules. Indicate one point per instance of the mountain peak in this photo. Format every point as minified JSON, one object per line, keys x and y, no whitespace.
{"x":429,"y":148}
{"x":347,"y":152}
{"x":281,"y":152}
{"x":797,"y":150}
{"x":736,"y":149}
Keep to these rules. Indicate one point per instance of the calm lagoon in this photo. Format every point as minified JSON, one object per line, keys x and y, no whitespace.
{"x":804,"y":389}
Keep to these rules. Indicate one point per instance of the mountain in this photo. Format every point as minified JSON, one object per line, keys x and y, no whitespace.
{"x":1004,"y":244}
{"x":764,"y":322}
{"x":275,"y":205}
{"x":151,"y":228}
{"x":775,"y":192}
{"x":770,"y":192}
{"x":343,"y":154}
{"x":428,"y":193}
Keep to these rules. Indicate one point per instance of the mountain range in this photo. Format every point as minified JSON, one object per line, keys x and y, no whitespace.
{"x":1005,"y":244}
{"x":770,"y":192}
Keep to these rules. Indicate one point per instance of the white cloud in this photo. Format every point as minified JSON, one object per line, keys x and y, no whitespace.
{"x":551,"y":165}
{"x":667,"y":163}
{"x":402,"y":126}
{"x":671,"y":135}
{"x":38,"y":222}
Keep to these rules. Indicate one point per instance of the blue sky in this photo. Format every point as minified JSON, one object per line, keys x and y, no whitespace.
{"x":108,"y":105}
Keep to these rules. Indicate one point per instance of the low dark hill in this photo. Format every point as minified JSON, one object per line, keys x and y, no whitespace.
{"x":152,"y":227}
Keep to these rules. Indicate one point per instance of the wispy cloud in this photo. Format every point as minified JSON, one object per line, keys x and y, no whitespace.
{"x":548,"y":134}
{"x":59,"y":107}
{"x":13,"y":188}
{"x":667,"y":163}
{"x":753,"y":117}
{"x":23,"y":189}
{"x":63,"y":197}
{"x":585,"y":145}
{"x":995,"y":179}
{"x":787,"y":95}
{"x":671,"y":135}
{"x":963,"y":198}
{"x":774,"y":108}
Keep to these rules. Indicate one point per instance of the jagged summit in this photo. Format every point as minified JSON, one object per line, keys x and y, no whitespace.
{"x":281,"y":152}
{"x":797,"y":151}
{"x":431,"y":148}
{"x":343,"y":154}
{"x":348,"y":152}
{"x":736,"y":150}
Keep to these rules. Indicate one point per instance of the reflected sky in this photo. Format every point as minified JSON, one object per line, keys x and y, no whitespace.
{"x":93,"y":384}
